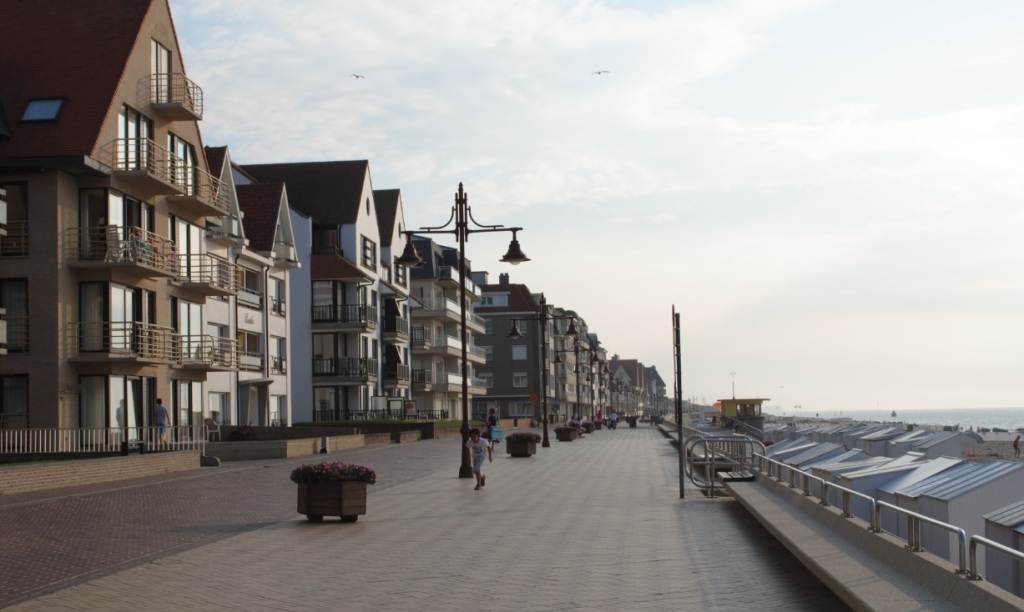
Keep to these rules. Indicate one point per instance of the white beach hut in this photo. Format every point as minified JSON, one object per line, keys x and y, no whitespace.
{"x":940,"y":444}
{"x":1005,"y":526}
{"x":901,"y":444}
{"x":887,"y":491}
{"x":875,"y":443}
{"x":867,"y":480}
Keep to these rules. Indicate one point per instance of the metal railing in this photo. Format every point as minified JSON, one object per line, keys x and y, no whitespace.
{"x":174,"y":88}
{"x":121,"y":244}
{"x":1006,"y":550}
{"x":345,"y":313}
{"x":100,"y":439}
{"x":359,"y":368}
{"x":718,"y":452}
{"x":123,"y":339}
{"x":209,"y":350}
{"x":914,"y":519}
{"x":142,"y":154}
{"x":15,"y":243}
{"x":208,"y":269}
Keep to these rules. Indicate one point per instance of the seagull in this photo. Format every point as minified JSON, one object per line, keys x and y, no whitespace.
{"x":600,"y":72}
{"x":359,"y":76}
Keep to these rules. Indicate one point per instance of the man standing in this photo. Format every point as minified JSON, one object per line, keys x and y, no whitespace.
{"x":613,"y":420}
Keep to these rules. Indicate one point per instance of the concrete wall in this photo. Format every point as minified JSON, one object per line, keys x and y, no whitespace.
{"x":26,"y":478}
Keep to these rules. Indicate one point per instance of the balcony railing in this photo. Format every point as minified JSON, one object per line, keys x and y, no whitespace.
{"x":113,"y":245}
{"x":396,"y":373}
{"x":352,"y":368}
{"x":451,"y":274}
{"x":396,"y":326}
{"x":15,"y":243}
{"x":17,"y":334}
{"x":122,"y":340}
{"x":174,"y":96}
{"x":99,"y":439}
{"x":206,"y":351}
{"x":360,"y":315}
{"x":250,"y":361}
{"x":208,"y":274}
{"x":146,"y":165}
{"x":203,"y":194}
{"x":278,"y":365}
{"x":277,"y":306}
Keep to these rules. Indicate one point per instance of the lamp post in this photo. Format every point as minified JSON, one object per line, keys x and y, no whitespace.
{"x":459,"y":225}
{"x":576,"y":350}
{"x":542,"y":318}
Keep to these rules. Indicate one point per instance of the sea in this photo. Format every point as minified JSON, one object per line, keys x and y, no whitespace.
{"x":1008,"y":419}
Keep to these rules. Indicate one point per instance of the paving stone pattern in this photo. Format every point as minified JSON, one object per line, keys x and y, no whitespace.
{"x":594,"y":524}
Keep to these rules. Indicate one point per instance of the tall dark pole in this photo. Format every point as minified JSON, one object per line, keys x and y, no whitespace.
{"x":544,"y":367}
{"x":679,"y":399}
{"x":466,"y":470}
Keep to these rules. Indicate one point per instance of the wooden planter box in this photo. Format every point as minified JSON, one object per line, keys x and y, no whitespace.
{"x":344,"y":499}
{"x":566,"y":436}
{"x":597,"y":425}
{"x":521,"y":448}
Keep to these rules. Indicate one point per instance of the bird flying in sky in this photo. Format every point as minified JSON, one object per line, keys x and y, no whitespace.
{"x":600,"y":72}
{"x":359,"y":76}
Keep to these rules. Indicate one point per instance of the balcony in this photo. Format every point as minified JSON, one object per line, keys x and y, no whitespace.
{"x":172,"y":96}
{"x":208,"y":274}
{"x":345,"y":317}
{"x":127,"y":249}
{"x":121,"y":341}
{"x":210,"y":353}
{"x":250,"y":362}
{"x":421,"y":338}
{"x":396,"y":376}
{"x":351,"y":370}
{"x":203,"y":194}
{"x":278,"y":365}
{"x":438,"y":308}
{"x":16,"y":340}
{"x":14,"y":242}
{"x":285,"y":255}
{"x":148,"y":169}
{"x":423,"y":380}
{"x":449,"y":276}
{"x":225,"y":231}
{"x":396,"y":329}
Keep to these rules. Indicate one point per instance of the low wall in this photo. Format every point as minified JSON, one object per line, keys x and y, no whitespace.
{"x":25,"y":478}
{"x":283,"y":449}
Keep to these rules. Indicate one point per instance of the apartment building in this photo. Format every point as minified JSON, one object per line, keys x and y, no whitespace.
{"x":349,"y":326}
{"x":436,"y":289}
{"x":124,"y":260}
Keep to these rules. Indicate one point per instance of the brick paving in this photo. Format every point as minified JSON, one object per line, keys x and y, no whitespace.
{"x":594,"y":524}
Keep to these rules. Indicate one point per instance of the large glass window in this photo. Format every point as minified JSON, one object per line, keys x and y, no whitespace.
{"x":134,"y":133}
{"x":188,"y":322}
{"x":183,"y":164}
{"x":14,"y":402}
{"x":519,"y":352}
{"x":15,"y":243}
{"x":14,"y":299}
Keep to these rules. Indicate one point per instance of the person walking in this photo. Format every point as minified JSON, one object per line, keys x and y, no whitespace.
{"x":162,"y":418}
{"x":1016,"y":447}
{"x":478,"y":449}
{"x":613,"y":420}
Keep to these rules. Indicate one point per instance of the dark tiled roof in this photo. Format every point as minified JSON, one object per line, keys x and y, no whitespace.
{"x":261,"y":205}
{"x":329,"y":192}
{"x":64,"y":49}
{"x":215,"y":157}
{"x":386,"y":201}
{"x":334,"y":267}
{"x":519,"y":299}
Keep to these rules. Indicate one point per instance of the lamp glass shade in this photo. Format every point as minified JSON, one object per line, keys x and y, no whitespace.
{"x":410,"y":256}
{"x":515,"y":254}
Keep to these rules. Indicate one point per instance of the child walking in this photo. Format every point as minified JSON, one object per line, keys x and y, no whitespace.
{"x":478,"y":449}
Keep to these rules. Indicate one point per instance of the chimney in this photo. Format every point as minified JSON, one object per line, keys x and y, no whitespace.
{"x":503,"y":279}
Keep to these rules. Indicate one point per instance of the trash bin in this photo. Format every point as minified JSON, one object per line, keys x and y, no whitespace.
{"x":632,"y":421}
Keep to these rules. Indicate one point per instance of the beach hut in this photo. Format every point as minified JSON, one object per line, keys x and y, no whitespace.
{"x":867,"y":480}
{"x":852,"y":437}
{"x":817,"y":454}
{"x":850,"y":461}
{"x":940,"y":444}
{"x":1005,"y":526}
{"x":886,"y":492}
{"x":962,"y":497}
{"x":743,"y":410}
{"x":877,"y":442}
{"x":901,"y":444}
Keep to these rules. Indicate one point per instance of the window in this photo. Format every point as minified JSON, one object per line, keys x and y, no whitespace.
{"x":42,"y":110}
{"x":14,"y":298}
{"x":219,"y":408}
{"x":369,"y":253}
{"x":278,"y":353}
{"x":520,"y":379}
{"x":188,"y":323}
{"x":134,"y":133}
{"x":251,"y":294}
{"x":488,"y":379}
{"x":250,"y":350}
{"x":160,"y":66}
{"x":520,"y":409}
{"x":367,"y":206}
{"x":182,"y":167}
{"x":15,"y":243}
{"x":488,"y":352}
{"x":278,"y":410}
{"x":519,"y":352}
{"x":14,"y":402}
{"x":494,"y":300}
{"x":275,"y":293}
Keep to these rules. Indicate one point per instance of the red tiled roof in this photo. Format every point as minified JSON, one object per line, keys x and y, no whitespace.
{"x":261,"y":205}
{"x":64,"y":49}
{"x":215,"y":159}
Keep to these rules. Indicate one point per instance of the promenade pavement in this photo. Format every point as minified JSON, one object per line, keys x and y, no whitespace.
{"x":594,"y":524}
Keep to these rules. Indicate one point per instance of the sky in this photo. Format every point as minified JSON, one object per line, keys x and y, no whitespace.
{"x":828,"y":193}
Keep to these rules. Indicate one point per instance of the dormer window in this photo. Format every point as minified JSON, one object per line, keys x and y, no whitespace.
{"x":43,"y":110}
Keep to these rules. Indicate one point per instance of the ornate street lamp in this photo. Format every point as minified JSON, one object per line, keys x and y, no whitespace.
{"x":459,"y":225}
{"x":542,"y":318}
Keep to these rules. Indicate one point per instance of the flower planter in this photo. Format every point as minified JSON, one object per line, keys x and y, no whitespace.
{"x":588,"y":427}
{"x":520,"y":448}
{"x":344,"y":499}
{"x":566,"y":435}
{"x":597,"y":425}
